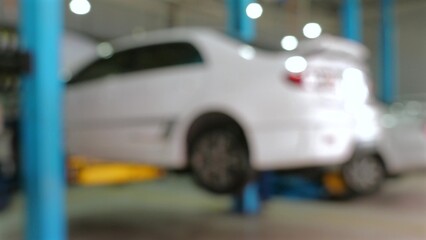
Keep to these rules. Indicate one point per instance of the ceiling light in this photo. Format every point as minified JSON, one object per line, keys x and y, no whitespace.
{"x":289,"y":43}
{"x":80,"y":7}
{"x":312,"y":30}
{"x":254,"y":10}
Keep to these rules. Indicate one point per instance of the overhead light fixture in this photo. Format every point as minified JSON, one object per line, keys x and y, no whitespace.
{"x":289,"y":43}
{"x":80,"y":7}
{"x":312,"y":30}
{"x":254,"y":10}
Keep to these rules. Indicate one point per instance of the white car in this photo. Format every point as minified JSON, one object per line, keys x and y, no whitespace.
{"x":399,"y":148}
{"x":404,"y":137}
{"x":196,"y":98}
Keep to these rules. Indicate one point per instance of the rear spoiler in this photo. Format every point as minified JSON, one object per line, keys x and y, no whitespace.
{"x":328,"y":43}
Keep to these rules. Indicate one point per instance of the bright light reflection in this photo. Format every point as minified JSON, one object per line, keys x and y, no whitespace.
{"x":247,"y":52}
{"x":312,"y":30}
{"x":366,"y":131}
{"x":105,"y":50}
{"x":353,"y":87}
{"x":80,"y":7}
{"x":367,"y":127}
{"x":289,"y":43}
{"x":254,"y":10}
{"x":296,"y":64}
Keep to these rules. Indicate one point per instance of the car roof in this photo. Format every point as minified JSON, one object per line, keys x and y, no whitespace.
{"x":164,"y":36}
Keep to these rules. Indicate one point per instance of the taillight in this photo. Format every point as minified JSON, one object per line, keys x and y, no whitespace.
{"x":295,"y":78}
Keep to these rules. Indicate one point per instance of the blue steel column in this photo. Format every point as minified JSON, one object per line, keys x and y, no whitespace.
{"x":388,"y":70}
{"x":239,"y":24}
{"x":41,"y":27}
{"x":27,"y":123}
{"x":351,"y":19}
{"x":243,"y":28}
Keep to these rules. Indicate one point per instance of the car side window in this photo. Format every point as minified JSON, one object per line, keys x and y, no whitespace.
{"x":164,"y":55}
{"x":140,"y":59}
{"x":101,"y":68}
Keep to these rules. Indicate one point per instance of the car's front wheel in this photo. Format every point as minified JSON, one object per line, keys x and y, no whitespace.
{"x":364,"y":174}
{"x":219,"y":160}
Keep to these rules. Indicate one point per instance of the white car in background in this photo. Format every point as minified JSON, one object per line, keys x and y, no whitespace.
{"x":400,"y":148}
{"x":403,"y":144}
{"x":195,"y":98}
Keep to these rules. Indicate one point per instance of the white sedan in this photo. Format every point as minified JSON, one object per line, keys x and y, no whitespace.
{"x":194,"y":98}
{"x":399,"y":148}
{"x":404,"y":141}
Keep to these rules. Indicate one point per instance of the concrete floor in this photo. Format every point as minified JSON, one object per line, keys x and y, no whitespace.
{"x":174,"y":208}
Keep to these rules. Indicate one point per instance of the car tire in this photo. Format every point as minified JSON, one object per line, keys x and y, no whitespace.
{"x":219,"y":160}
{"x":364,"y":174}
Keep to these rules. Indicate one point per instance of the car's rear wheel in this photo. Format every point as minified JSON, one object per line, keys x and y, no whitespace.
{"x":220,"y":161}
{"x":364,"y":174}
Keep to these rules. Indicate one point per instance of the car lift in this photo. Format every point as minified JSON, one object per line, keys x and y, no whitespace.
{"x":248,"y":201}
{"x":93,"y":172}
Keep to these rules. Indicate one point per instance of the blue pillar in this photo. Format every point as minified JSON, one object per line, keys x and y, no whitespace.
{"x":388,"y":67}
{"x":351,"y":19}
{"x":248,"y":201}
{"x":239,"y":24}
{"x":41,"y":98}
{"x":27,"y":115}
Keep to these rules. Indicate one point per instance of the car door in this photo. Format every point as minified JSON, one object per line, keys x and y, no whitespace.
{"x":144,"y":101}
{"x":87,"y":110}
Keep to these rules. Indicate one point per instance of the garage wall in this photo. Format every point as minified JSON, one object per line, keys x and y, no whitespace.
{"x":279,"y":20}
{"x":112,"y":18}
{"x":412,"y":54}
{"x":411,"y":39}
